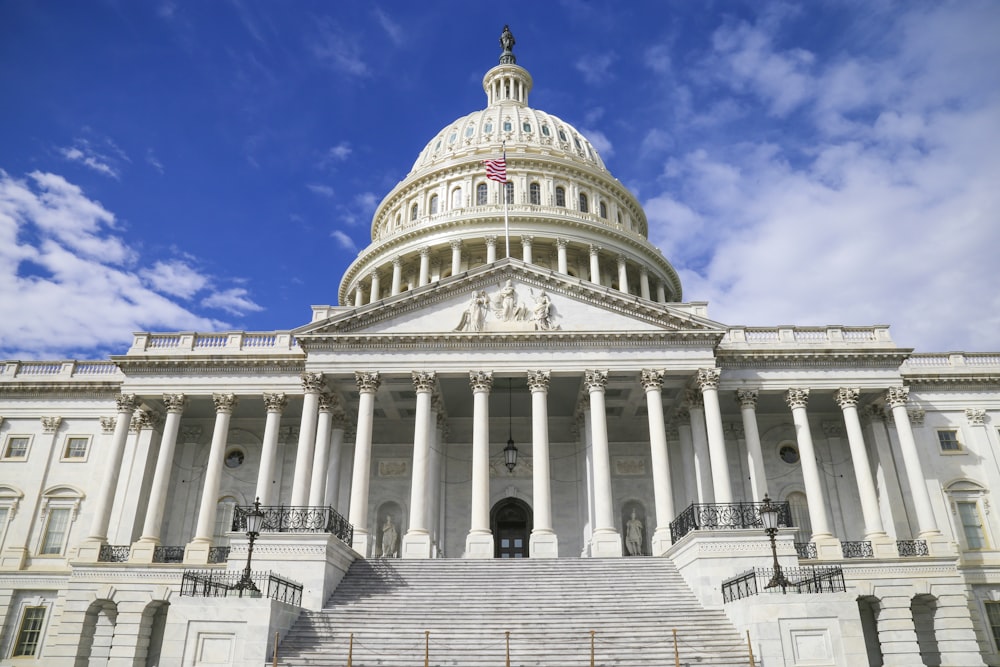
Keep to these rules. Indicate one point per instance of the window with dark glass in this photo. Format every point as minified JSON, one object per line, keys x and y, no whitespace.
{"x":604,"y":210}
{"x":434,"y":204}
{"x":535,"y":193}
{"x":76,"y":448}
{"x":508,"y":192}
{"x":481,"y":194}
{"x":507,"y":127}
{"x":584,"y":204}
{"x":560,"y":196}
{"x":545,"y":130}
{"x":948,"y":440}
{"x":17,"y":447}
{"x":413,"y":212}
{"x":526,"y":127}
{"x":29,"y":635}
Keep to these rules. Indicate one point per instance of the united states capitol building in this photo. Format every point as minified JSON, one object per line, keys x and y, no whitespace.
{"x":511,"y":393}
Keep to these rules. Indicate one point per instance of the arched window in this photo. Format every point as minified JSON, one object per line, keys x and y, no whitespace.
{"x":456,"y":198}
{"x":560,"y":196}
{"x":434,"y":204}
{"x":508,"y":192}
{"x":604,"y":210}
{"x":535,"y":193}
{"x":413,"y":212}
{"x":481,"y":194}
{"x":584,"y":204}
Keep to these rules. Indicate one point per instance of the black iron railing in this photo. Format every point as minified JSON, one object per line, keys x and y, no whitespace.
{"x":714,"y":516}
{"x":800,"y":580}
{"x":168,"y":554}
{"x":218,"y":554}
{"x":806,"y":550}
{"x":212,"y":584}
{"x":114,"y":553}
{"x":907,"y":548}
{"x":284,"y":519}
{"x":859,"y":549}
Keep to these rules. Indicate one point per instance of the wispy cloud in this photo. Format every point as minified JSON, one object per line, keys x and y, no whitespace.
{"x":337,"y":153}
{"x":234,"y":301}
{"x":105,"y":160}
{"x":320,"y":189}
{"x":343,"y":240}
{"x":175,"y":277}
{"x":153,"y":161}
{"x":392,"y":29}
{"x":596,"y":68}
{"x":338,"y":49}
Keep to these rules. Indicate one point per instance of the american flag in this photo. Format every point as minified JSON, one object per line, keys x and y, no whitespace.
{"x":496,"y":170}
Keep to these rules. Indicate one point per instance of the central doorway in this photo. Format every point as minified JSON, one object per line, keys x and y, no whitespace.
{"x":510,"y":521}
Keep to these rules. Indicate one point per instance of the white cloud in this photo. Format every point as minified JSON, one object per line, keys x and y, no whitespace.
{"x":83,"y":153}
{"x":600,"y":141}
{"x":657,"y":58}
{"x":338,"y":49}
{"x":320,"y":189}
{"x":338,"y":153}
{"x":234,"y":301}
{"x":392,"y":29}
{"x":596,"y":68}
{"x":175,"y":278}
{"x":366,"y":201}
{"x":343,"y":240}
{"x":152,"y":161}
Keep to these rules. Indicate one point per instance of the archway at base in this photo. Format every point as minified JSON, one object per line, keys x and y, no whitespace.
{"x":511,"y":521}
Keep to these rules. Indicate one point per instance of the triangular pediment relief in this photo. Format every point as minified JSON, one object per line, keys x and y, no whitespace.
{"x":509,"y":297}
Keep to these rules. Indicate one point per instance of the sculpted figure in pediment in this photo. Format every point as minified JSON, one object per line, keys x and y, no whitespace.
{"x":474,"y":315}
{"x":541,"y":314}
{"x":505,"y":305}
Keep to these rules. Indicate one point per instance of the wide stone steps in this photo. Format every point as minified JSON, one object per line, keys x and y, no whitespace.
{"x":460,"y":610}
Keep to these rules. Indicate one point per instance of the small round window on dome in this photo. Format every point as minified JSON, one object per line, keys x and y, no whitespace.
{"x":235,"y":458}
{"x":488,"y":128}
{"x":789,"y":454}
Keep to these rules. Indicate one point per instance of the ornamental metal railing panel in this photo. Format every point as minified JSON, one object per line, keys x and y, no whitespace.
{"x":806,"y":550}
{"x":218,"y":554}
{"x":285,"y":519}
{"x":908,"y":548}
{"x":213,"y":584}
{"x":798,"y":580}
{"x":168,"y":554}
{"x":728,"y":516}
{"x":114,"y":553}
{"x":858,"y":549}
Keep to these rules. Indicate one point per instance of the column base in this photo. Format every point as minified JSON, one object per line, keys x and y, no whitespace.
{"x":143,"y":550}
{"x":661,"y":541}
{"x":196,"y":551}
{"x":827,"y":547}
{"x":362,"y":542}
{"x":479,"y":545}
{"x":416,"y":545}
{"x":606,"y":543}
{"x":89,"y":550}
{"x":543,"y":544}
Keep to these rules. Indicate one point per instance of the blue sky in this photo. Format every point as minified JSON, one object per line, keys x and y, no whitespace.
{"x":214,"y":165}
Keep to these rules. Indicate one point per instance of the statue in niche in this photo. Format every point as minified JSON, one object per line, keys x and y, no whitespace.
{"x":505,"y":305}
{"x":389,"y":538}
{"x":541,"y":314}
{"x":474,"y":315}
{"x":633,"y":536}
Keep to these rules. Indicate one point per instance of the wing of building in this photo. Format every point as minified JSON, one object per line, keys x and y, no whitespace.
{"x":512,"y":373}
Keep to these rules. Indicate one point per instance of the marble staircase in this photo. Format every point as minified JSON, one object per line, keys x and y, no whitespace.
{"x":548,"y":606}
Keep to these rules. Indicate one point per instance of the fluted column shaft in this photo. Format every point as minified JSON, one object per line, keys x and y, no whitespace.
{"x":538,"y":383}
{"x":896,"y":398}
{"x":224,"y":406}
{"x":663,"y":494}
{"x":491,"y":249}
{"x":622,"y":275}
{"x":416,"y":542}
{"x":699,"y":447}
{"x":425,"y":267}
{"x":397,"y":276}
{"x":481,"y":383}
{"x":747,"y":399}
{"x":275,"y":405}
{"x":847,"y":399}
{"x":112,"y":467}
{"x":561,"y":263}
{"x":368,"y":384}
{"x":644,"y":283}
{"x":606,"y":540}
{"x":164,"y":464}
{"x":338,"y":427}
{"x":708,"y":381}
{"x":595,"y":265}
{"x":376,"y":288}
{"x":321,"y":451}
{"x":312,"y":384}
{"x":797,"y":400}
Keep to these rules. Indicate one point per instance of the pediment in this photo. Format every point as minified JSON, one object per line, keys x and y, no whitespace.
{"x":510,"y":297}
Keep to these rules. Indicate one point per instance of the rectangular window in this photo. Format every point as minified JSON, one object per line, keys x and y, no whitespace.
{"x":948,"y":439}
{"x":30,"y":634}
{"x":972,"y":524}
{"x":55,"y":531}
{"x":76,"y":448}
{"x":993,"y":617}
{"x":17,"y":447}
{"x":4,"y":515}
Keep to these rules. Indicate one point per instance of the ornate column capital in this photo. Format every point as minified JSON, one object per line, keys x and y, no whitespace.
{"x":976,"y":416}
{"x":733,"y":430}
{"x":538,"y":380}
{"x":490,"y":239}
{"x":312,"y":383}
{"x":797,"y":397}
{"x":562,"y":244}
{"x":670,"y":429}
{"x":708,"y":378}
{"x":328,"y":402}
{"x":847,"y":397}
{"x":684,"y":413}
{"x":339,"y":421}
{"x":424,"y":381}
{"x":594,"y":249}
{"x":916,"y":416}
{"x":425,"y":251}
{"x":873,"y":413}
{"x":372,"y":275}
{"x":174,"y":403}
{"x":595,"y":379}
{"x":397,"y":261}
{"x":747,"y":398}
{"x":897,"y":396}
{"x":367,"y":381}
{"x":108,"y":424}
{"x":651,"y":379}
{"x":143,"y":419}
{"x":126,"y":402}
{"x":225,"y":403}
{"x":456,"y":244}
{"x":481,"y":380}
{"x":693,"y":399}
{"x":526,"y":239}
{"x":51,"y":424}
{"x":276,"y":402}
{"x":621,"y":260}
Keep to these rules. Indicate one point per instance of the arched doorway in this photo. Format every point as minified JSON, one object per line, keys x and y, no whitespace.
{"x":511,"y":520}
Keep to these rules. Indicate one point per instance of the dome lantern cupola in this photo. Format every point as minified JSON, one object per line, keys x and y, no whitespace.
{"x":507,"y":82}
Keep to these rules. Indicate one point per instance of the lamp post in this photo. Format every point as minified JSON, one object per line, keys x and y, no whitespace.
{"x":255,"y":521}
{"x":769,"y":517}
{"x":510,"y":451}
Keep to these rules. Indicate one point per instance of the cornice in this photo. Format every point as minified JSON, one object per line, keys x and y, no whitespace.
{"x":231,"y":365}
{"x":827,"y":357}
{"x":50,"y":389}
{"x":952,"y":382}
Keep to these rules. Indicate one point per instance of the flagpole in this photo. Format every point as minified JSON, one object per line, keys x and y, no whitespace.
{"x":503,"y":191}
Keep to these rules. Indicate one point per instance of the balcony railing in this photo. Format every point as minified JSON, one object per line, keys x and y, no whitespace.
{"x":114,"y":553}
{"x":806,"y":550}
{"x":283,"y":519}
{"x":731,"y":516}
{"x":120,"y":553}
{"x":800,"y":580}
{"x":860,"y":549}
{"x":168,"y":554}
{"x":211,"y":584}
{"x":907,"y":548}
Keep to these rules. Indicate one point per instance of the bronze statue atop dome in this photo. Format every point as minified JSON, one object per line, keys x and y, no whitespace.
{"x":507,"y":44}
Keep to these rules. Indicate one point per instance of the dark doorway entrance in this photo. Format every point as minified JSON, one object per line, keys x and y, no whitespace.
{"x":510,"y":520}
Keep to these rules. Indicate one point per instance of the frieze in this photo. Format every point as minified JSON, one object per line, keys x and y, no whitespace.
{"x":393,"y":467}
{"x":505,"y":310}
{"x":629,"y":466}
{"x":976,"y":416}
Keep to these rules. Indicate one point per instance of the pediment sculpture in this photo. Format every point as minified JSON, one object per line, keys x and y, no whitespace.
{"x":505,"y":311}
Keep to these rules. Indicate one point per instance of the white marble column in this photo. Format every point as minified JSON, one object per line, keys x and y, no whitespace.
{"x":434,"y":476}
{"x":595,"y":264}
{"x":338,"y":426}
{"x":847,"y":399}
{"x":197,"y":550}
{"x":376,"y":289}
{"x":526,"y":240}
{"x":797,"y":399}
{"x":143,"y":549}
{"x":112,"y":467}
{"x":359,"y":294}
{"x":491,"y":249}
{"x":456,"y":257}
{"x":321,"y":451}
{"x":368,"y":384}
{"x":708,"y":382}
{"x":312,"y":385}
{"x":561,"y":263}
{"x":896,"y":398}
{"x":606,"y":541}
{"x":699,"y":447}
{"x":644,"y":282}
{"x":747,"y":398}
{"x":397,"y":276}
{"x":479,"y":542}
{"x":275,"y":404}
{"x":417,"y":540}
{"x":663,"y":493}
{"x":622,"y":274}
{"x":543,"y":543}
{"x":425,"y":267}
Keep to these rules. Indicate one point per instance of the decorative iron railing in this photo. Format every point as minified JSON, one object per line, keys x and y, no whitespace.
{"x":907,"y":548}
{"x":114,"y":553}
{"x":213,"y":584}
{"x":800,"y":580}
{"x":283,"y":519}
{"x":806,"y":550}
{"x":704,"y":516}
{"x":218,"y":554}
{"x":860,"y":549}
{"x":168,"y":554}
